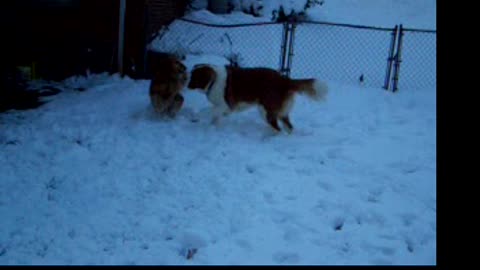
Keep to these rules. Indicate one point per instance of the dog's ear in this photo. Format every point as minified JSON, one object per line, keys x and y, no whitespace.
{"x":202,"y":77}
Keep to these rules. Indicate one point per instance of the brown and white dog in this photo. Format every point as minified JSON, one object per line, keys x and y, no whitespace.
{"x":232,"y":89}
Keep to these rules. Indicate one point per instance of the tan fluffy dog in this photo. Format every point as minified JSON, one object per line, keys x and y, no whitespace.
{"x":169,"y":77}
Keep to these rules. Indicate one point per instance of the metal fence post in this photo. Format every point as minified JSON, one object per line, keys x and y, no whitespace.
{"x":290,"y":47}
{"x":390,"y":58}
{"x":283,"y":49}
{"x":286,"y":53}
{"x":146,"y":38}
{"x":398,"y":60}
{"x":121,"y":36}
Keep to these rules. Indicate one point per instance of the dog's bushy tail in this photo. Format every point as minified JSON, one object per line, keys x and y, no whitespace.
{"x":315,"y":89}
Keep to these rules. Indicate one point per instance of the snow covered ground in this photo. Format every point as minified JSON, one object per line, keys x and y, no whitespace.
{"x":94,"y":177}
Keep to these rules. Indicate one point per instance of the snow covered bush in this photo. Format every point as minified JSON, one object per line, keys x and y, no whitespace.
{"x":277,"y":10}
{"x":197,"y":4}
{"x":254,"y":7}
{"x":181,"y":44}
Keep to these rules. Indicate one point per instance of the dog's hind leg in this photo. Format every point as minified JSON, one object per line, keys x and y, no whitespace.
{"x":287,"y":124}
{"x":272,"y":120}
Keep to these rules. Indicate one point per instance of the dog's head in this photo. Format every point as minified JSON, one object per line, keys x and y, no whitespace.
{"x":202,"y":77}
{"x":169,"y":71}
{"x":166,"y":67}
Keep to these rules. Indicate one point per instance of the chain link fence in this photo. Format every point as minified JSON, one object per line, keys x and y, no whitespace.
{"x":418,"y":59}
{"x":244,"y":44}
{"x":344,"y":53}
{"x":352,"y":54}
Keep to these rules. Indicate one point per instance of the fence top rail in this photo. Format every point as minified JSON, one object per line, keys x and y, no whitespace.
{"x":347,"y":25}
{"x":308,"y":22}
{"x":229,"y":25}
{"x":420,"y":30}
{"x":270,"y":23}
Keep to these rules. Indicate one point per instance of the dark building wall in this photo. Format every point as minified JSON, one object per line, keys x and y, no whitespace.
{"x":57,"y":35}
{"x":64,"y":37}
{"x":163,"y":12}
{"x":143,"y":20}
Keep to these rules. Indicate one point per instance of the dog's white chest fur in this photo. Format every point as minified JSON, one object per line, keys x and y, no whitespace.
{"x":216,"y":94}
